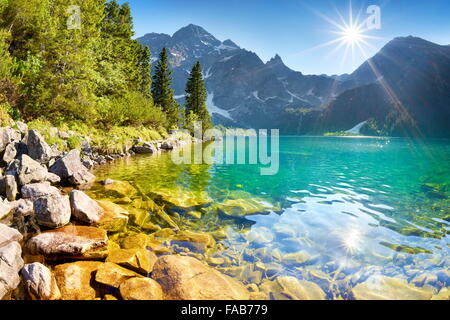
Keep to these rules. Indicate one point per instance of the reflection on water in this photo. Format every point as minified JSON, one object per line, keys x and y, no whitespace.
{"x":339,"y":210}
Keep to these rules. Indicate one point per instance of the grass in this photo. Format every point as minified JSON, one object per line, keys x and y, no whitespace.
{"x":115,"y":139}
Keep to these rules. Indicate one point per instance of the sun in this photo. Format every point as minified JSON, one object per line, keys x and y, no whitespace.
{"x":352,"y":35}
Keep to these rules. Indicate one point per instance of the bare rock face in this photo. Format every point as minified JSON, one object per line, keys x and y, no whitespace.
{"x":38,"y":190}
{"x":186,"y":278}
{"x":378,"y":287}
{"x":141,"y":289}
{"x":84,"y":208}
{"x":40,"y":282}
{"x":8,"y":235}
{"x":70,"y":241}
{"x":52,"y":211}
{"x":69,"y":168}
{"x":10,"y":264}
{"x":38,"y":149}
{"x":28,"y":170}
{"x":75,"y":280}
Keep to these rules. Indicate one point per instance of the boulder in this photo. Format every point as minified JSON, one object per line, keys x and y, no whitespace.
{"x":75,"y":280}
{"x":120,"y":189}
{"x":114,"y":218}
{"x":378,"y":287}
{"x":88,"y":162}
{"x":141,"y":289}
{"x":38,"y":190}
{"x":11,"y":187}
{"x":78,"y":242}
{"x":197,"y":237}
{"x":8,"y":135}
{"x":40,"y":282}
{"x":52,"y":178}
{"x":52,"y":211}
{"x":145,"y":148}
{"x":28,"y":170}
{"x":10,"y":153}
{"x":69,"y":168}
{"x":23,"y":207}
{"x":113,"y":275}
{"x":10,"y":264}
{"x":38,"y":149}
{"x":186,"y":278}
{"x":8,"y":235}
{"x":5,"y":209}
{"x":84,"y":208}
{"x":139,"y":260}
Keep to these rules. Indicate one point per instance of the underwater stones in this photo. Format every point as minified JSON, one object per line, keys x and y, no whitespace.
{"x":204,"y":238}
{"x":444,"y":294}
{"x":141,"y":289}
{"x":378,"y":287}
{"x":120,"y":189}
{"x":135,"y":241}
{"x":182,"y":198}
{"x":38,"y":149}
{"x":142,"y":219}
{"x":300,"y":257}
{"x":37,"y":190}
{"x":114,"y":217}
{"x":69,"y":168}
{"x":69,"y":241}
{"x":259,"y":236}
{"x":40,"y":282}
{"x":52,"y":211}
{"x":424,"y":278}
{"x":290,"y":288}
{"x":113,"y":275}
{"x":267,"y":255}
{"x":186,"y":278}
{"x":242,"y":207}
{"x":84,"y":208}
{"x":74,"y":280}
{"x":139,"y":260}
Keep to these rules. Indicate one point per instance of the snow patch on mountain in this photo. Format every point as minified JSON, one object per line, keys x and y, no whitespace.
{"x":212,"y":108}
{"x":356,"y":129}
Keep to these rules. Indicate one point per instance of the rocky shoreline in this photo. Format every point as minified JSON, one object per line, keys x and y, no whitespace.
{"x":55,"y":239}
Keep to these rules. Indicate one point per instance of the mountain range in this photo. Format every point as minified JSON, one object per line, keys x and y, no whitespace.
{"x":403,"y":90}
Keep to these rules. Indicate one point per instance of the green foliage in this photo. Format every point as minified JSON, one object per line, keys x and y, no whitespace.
{"x":74,"y":142}
{"x":196,"y":97}
{"x":162,"y":91}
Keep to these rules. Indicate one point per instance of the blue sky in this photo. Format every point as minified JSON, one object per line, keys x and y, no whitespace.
{"x":296,"y":29}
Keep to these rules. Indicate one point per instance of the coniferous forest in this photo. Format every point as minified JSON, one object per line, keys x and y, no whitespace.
{"x":96,"y":74}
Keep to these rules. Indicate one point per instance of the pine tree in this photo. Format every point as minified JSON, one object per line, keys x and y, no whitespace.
{"x":162,"y":92}
{"x":196,"y":97}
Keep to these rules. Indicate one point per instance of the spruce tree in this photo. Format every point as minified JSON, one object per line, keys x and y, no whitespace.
{"x":196,"y":97}
{"x":162,"y":92}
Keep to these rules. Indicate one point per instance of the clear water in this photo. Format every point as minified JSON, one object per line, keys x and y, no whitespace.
{"x":353,"y":206}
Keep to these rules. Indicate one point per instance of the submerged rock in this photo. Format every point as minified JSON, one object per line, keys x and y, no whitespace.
{"x":379,"y":287}
{"x":84,"y":208}
{"x":40,"y":282}
{"x":139,"y":260}
{"x":114,"y":217}
{"x":182,"y":198}
{"x":186,"y":278}
{"x":69,"y":168}
{"x":75,"y":280}
{"x":290,"y":288}
{"x":78,"y":242}
{"x":120,"y":189}
{"x":113,"y":275}
{"x":141,"y":289}
{"x":242,"y":207}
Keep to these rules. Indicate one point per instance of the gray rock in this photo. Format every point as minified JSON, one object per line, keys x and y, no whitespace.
{"x":84,"y":208}
{"x":52,"y":178}
{"x":8,"y":135}
{"x":23,"y":207}
{"x":38,"y":190}
{"x":5,"y":209}
{"x":147,"y":148}
{"x":88,"y":163}
{"x":53,"y":211}
{"x":8,"y":235}
{"x":107,"y":182}
{"x":22,"y":126}
{"x":10,"y":153}
{"x":70,"y":168}
{"x":11,"y":187}
{"x":40,"y":283}
{"x":28,"y":170}
{"x":168,"y":145}
{"x":38,"y":149}
{"x":10,"y":264}
{"x":63,"y":135}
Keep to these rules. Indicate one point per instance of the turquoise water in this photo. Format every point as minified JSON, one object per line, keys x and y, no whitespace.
{"x":352,"y":207}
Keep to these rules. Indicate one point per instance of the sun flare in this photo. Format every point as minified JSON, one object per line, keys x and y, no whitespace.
{"x":352,"y":35}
